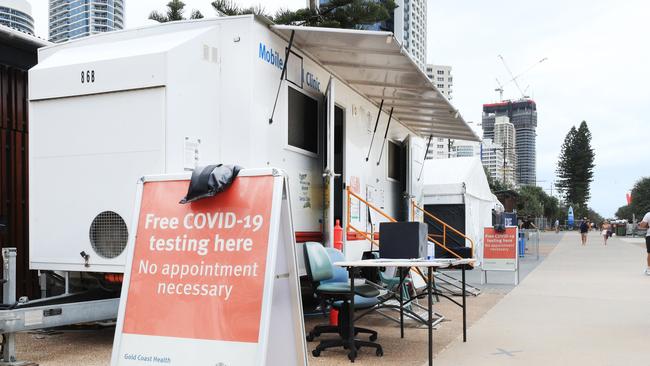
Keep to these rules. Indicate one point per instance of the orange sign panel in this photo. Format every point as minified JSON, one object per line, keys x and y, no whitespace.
{"x":500,"y":245}
{"x":198,"y":269}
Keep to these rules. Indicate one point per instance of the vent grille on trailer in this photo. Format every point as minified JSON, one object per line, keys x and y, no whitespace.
{"x":108,"y":234}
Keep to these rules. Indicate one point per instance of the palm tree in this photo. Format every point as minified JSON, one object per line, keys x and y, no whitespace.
{"x":174,"y":12}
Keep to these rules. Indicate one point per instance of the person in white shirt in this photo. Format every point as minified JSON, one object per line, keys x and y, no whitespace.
{"x":645,"y":224}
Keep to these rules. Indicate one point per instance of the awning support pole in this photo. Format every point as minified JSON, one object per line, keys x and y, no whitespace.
{"x":284,"y":71}
{"x":381,"y":152}
{"x":425,"y":157}
{"x":375,"y":131}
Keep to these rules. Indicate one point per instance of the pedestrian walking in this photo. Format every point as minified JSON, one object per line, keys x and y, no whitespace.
{"x":645,"y":224}
{"x":557,"y":226}
{"x":528,"y":223}
{"x":584,"y":230}
{"x":606,"y":231}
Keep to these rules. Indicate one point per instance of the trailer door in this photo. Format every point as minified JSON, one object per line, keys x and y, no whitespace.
{"x":328,"y":172}
{"x":414,"y":180}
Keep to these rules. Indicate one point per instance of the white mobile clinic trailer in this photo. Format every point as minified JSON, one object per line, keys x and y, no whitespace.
{"x":456,"y":191}
{"x":108,"y":109}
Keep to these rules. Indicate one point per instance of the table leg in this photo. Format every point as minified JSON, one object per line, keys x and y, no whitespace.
{"x":401,"y":301}
{"x":351,"y":345}
{"x":464,"y":308}
{"x":430,"y":298}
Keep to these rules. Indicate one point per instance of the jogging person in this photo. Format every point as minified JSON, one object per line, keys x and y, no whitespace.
{"x":584,"y":230}
{"x":645,"y":224}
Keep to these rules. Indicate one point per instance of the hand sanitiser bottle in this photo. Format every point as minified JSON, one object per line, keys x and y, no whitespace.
{"x":431,"y":250}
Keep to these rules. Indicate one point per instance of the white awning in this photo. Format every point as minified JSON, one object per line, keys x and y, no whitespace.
{"x":375,"y":65}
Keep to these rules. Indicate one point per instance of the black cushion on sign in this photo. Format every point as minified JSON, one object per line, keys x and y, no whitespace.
{"x":209,"y":180}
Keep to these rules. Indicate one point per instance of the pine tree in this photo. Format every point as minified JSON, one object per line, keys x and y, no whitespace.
{"x":352,"y":14}
{"x":174,"y":12}
{"x":575,"y":168}
{"x":565,"y":166}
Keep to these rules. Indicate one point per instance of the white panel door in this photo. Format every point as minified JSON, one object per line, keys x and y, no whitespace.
{"x":328,"y":173}
{"x":414,"y":175}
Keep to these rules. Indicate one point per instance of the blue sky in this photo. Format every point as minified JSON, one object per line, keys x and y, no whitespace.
{"x":598,"y":69}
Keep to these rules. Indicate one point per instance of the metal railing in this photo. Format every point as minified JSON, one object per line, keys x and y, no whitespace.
{"x":531,"y":238}
{"x":348,"y":223}
{"x":445,"y":227}
{"x":368,"y":236}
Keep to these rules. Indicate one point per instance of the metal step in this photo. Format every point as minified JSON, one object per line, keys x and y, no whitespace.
{"x":453,"y":286}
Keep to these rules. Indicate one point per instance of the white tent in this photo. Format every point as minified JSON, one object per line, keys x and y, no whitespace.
{"x":458,"y":187}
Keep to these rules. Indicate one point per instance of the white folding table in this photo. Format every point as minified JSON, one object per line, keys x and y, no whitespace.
{"x":408,"y":263}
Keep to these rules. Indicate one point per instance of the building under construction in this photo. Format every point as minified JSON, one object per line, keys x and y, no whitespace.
{"x":523,"y":115}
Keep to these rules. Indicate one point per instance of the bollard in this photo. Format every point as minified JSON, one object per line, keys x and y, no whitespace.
{"x":9,"y":297}
{"x":338,"y":235}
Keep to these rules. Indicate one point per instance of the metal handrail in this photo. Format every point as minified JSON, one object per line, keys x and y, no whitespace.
{"x":349,"y":227}
{"x":350,"y":193}
{"x":348,"y":224}
{"x":414,"y":206}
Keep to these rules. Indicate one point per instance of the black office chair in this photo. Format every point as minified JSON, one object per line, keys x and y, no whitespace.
{"x":319,"y":270}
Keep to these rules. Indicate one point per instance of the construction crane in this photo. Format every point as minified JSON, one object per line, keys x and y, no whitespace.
{"x":515,"y":78}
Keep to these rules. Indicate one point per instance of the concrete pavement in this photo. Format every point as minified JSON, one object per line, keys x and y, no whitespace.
{"x":581,"y":306}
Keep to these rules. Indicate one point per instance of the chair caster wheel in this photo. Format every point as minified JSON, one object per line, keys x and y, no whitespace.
{"x":379,"y":352}
{"x":373,"y":337}
{"x":310,"y":337}
{"x":316,"y":353}
{"x":352,"y":356}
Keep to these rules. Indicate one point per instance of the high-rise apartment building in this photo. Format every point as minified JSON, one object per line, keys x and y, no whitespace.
{"x":496,"y":162}
{"x":523,"y":116}
{"x":463,"y":148}
{"x":441,"y":77}
{"x":504,"y":137}
{"x":410,"y":27}
{"x":70,"y":19}
{"x":17,"y":14}
{"x":492,"y":159}
{"x":440,"y":149}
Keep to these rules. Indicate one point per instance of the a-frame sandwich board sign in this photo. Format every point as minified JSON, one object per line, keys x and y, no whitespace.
{"x":213,"y":282}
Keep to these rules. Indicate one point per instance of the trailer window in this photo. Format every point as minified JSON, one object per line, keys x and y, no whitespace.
{"x":303,"y":121}
{"x":394,"y":160}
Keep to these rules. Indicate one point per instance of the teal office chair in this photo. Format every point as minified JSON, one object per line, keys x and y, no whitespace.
{"x":319,"y":271}
{"x":340,"y":276}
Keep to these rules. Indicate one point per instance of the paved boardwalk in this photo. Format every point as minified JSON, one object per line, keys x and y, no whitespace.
{"x":581,"y":306}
